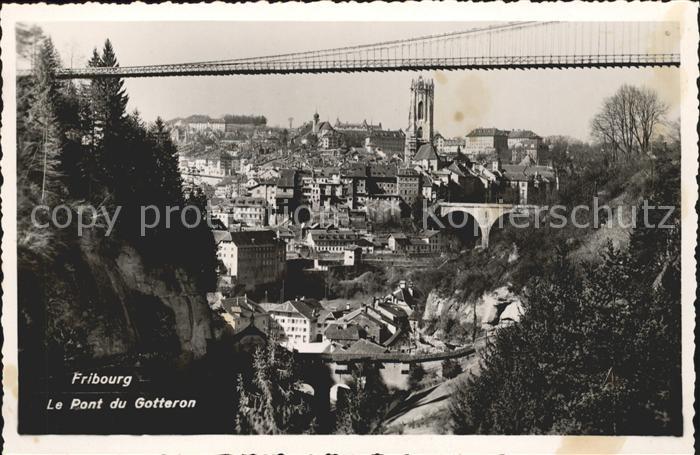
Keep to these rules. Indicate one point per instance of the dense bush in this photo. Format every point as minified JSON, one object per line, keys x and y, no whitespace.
{"x":598,"y":348}
{"x":451,"y":368}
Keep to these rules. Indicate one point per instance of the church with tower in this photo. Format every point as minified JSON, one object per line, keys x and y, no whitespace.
{"x":420,"y":117}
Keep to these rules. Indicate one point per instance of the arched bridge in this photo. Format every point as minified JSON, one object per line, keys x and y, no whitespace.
{"x":509,"y":45}
{"x":485,"y":215}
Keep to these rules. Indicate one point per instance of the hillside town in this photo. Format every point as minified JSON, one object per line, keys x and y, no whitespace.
{"x":393,"y":238}
{"x":331,"y":197}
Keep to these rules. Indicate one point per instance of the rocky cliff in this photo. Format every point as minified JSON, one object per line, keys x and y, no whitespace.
{"x":491,"y":309}
{"x":103,"y":300}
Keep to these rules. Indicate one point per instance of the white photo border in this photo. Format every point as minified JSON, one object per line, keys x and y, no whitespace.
{"x":683,"y":12}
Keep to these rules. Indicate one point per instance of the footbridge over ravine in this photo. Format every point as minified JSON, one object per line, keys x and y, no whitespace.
{"x":485,"y":215}
{"x":326,"y":372}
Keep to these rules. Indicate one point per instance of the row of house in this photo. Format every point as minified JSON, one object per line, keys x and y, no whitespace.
{"x":370,"y":137}
{"x":462,"y":179}
{"x":384,"y":324}
{"x":507,"y":146}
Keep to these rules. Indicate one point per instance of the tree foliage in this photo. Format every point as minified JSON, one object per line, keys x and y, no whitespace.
{"x":451,"y":368}
{"x":361,"y":408}
{"x":271,"y":402}
{"x":77,"y":144}
{"x":598,"y":348}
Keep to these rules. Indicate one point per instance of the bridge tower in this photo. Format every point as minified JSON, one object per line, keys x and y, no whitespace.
{"x":420,"y":116}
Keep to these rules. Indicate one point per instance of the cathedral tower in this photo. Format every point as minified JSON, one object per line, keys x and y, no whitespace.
{"x":420,"y":116}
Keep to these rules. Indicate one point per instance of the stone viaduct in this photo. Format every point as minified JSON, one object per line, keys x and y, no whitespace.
{"x":484,"y":214}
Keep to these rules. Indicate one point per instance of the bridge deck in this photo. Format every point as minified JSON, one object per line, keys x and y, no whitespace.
{"x":353,"y":66}
{"x":390,"y":357}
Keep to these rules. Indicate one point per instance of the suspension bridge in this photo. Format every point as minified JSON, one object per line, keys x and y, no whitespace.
{"x":521,"y":45}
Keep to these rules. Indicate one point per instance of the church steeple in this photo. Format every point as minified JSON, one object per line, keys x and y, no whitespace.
{"x":420,"y":116}
{"x":316,"y":122}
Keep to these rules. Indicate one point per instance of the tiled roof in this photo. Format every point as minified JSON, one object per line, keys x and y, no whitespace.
{"x":302,"y":307}
{"x":518,"y":172}
{"x":221,"y":236}
{"x":522,"y":134}
{"x":363,"y":125}
{"x":337,"y":332}
{"x":426,"y":152}
{"x":381,"y":170}
{"x":285,"y":307}
{"x":480,"y":132}
{"x":242,"y":302}
{"x":397,"y":134}
{"x":455,"y":141}
{"x":305,"y":309}
{"x":247,"y":201}
{"x":356,"y":170}
{"x":324,"y":126}
{"x":404,"y":295}
{"x":286,"y":178}
{"x":325,"y":314}
{"x":363,"y":242}
{"x":322,"y":234}
{"x":455,"y":168}
{"x":361,"y":315}
{"x":253,"y":237}
{"x":365,"y":346}
{"x":249,"y":330}
{"x":407,"y":171}
{"x":392,"y":310}
{"x":396,"y":338}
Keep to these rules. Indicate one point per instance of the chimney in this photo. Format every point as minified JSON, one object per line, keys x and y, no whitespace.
{"x":402,"y":284}
{"x":347,"y":307}
{"x":494,"y":165}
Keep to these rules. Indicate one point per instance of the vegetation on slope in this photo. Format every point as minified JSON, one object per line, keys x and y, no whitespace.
{"x":79,"y":149}
{"x":598,"y":348}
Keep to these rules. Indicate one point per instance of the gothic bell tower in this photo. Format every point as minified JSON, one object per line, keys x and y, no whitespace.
{"x":420,"y":116}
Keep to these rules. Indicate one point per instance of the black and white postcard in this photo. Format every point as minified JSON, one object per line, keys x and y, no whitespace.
{"x":380,"y":228}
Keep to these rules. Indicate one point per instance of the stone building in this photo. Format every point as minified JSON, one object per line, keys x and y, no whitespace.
{"x":251,"y":258}
{"x":420,"y":116}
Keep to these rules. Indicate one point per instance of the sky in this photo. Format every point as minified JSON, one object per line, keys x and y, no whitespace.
{"x":546,"y":101}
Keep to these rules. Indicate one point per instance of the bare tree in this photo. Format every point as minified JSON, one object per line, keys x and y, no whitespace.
{"x":628,"y":120}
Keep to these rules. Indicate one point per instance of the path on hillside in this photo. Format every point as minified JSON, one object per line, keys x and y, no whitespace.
{"x":418,"y":412}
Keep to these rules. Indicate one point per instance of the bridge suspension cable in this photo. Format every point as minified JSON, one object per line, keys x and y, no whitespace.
{"x":510,"y":45}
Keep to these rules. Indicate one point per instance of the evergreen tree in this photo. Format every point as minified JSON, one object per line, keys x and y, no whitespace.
{"x":361,"y":408}
{"x":451,"y":368}
{"x":42,"y":116}
{"x":416,"y":376}
{"x":39,"y":142}
{"x":113,"y":95}
{"x":271,"y":402}
{"x":105,"y":122}
{"x":596,"y":352}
